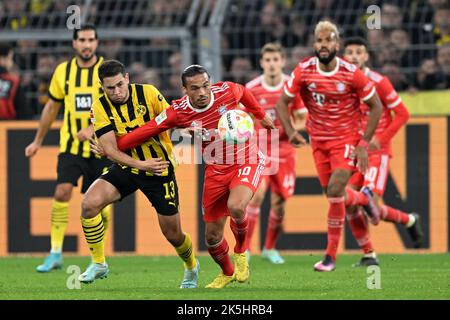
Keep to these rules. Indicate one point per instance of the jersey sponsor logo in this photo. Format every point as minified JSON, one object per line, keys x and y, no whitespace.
{"x":161,"y":117}
{"x":141,"y":110}
{"x":83,"y":102}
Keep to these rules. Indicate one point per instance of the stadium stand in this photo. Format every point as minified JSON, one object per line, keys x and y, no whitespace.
{"x":412,"y":47}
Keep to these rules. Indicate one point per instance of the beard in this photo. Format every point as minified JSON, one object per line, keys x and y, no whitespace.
{"x":328,"y":59}
{"x":85,"y":57}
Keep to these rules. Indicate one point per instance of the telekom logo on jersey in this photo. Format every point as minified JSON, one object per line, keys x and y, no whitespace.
{"x":217,"y":151}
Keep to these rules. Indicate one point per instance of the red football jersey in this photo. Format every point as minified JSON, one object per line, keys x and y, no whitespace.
{"x":267,"y":97}
{"x":332,"y":98}
{"x":391,"y":102}
{"x":225,"y":96}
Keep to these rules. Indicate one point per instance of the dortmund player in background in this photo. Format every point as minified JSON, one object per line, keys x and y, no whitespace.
{"x":75,"y":84}
{"x":149,"y":167}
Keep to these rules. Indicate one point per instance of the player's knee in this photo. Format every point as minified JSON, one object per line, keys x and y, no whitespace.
{"x":91,"y":206}
{"x":335,"y":190}
{"x":213,"y":238}
{"x":63,"y":194}
{"x":173,"y":234}
{"x":236,"y":207}
{"x":277,"y":205}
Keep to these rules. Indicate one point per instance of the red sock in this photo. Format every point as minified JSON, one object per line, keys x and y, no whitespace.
{"x":394,"y":215}
{"x":359,"y":229}
{"x":219,"y":253}
{"x":252,"y":213}
{"x":240,"y":228}
{"x":354,"y":198}
{"x":336,"y":216}
{"x":273,"y":230}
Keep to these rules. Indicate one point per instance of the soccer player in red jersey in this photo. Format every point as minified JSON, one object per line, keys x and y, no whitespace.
{"x":267,"y":89}
{"x":331,"y":89}
{"x":380,"y":151}
{"x":229,"y":185}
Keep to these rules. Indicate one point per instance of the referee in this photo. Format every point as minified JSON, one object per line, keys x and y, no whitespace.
{"x":74,"y":85}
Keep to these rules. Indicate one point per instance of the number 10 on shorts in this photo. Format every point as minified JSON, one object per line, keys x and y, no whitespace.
{"x":244,"y":171}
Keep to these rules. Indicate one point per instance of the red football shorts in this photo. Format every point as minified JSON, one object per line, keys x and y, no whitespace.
{"x":330,"y":155}
{"x":219,"y":180}
{"x":283,"y":181}
{"x":376,"y":176}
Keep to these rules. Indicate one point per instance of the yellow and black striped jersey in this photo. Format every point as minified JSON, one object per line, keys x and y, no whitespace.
{"x":144,"y":104}
{"x":77,"y":87}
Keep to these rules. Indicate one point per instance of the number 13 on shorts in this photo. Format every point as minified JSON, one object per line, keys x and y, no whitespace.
{"x":170,"y":190}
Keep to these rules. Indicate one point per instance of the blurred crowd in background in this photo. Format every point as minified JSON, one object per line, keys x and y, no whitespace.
{"x":412,"y":47}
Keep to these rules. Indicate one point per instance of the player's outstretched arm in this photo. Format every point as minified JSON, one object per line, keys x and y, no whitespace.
{"x":109,"y":146}
{"x":49,"y":114}
{"x":283,"y":112}
{"x":164,"y":121}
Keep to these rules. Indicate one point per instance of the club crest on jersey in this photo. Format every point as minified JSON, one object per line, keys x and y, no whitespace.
{"x":340,"y":87}
{"x":141,"y":110}
{"x":262,"y":101}
{"x":222,"y":110}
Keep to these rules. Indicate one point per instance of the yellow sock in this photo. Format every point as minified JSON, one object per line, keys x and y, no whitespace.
{"x":106,"y":217}
{"x":186,"y":252}
{"x":60,"y":218}
{"x":94,"y":231}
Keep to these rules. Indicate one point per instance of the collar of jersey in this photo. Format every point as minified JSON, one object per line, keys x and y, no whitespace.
{"x":96,"y":62}
{"x":268,"y":87}
{"x":200,"y":110}
{"x":325,"y":73}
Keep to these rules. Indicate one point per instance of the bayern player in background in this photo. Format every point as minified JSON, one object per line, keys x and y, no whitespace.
{"x":331,"y":90}
{"x":267,"y":89}
{"x":228,"y":186}
{"x":394,"y":116}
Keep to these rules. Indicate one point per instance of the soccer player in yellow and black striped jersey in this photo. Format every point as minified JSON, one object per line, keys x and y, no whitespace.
{"x":75,"y":85}
{"x":149,"y":167}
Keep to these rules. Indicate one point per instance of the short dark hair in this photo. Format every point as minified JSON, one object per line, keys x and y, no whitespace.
{"x":110,"y":68}
{"x":191,"y":71}
{"x":83,"y":27}
{"x":355,"y":41}
{"x":5,"y":49}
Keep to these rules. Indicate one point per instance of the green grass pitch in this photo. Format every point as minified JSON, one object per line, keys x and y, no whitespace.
{"x":409,"y":276}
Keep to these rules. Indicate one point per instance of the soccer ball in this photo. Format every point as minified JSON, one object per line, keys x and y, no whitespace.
{"x":235,"y":126}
